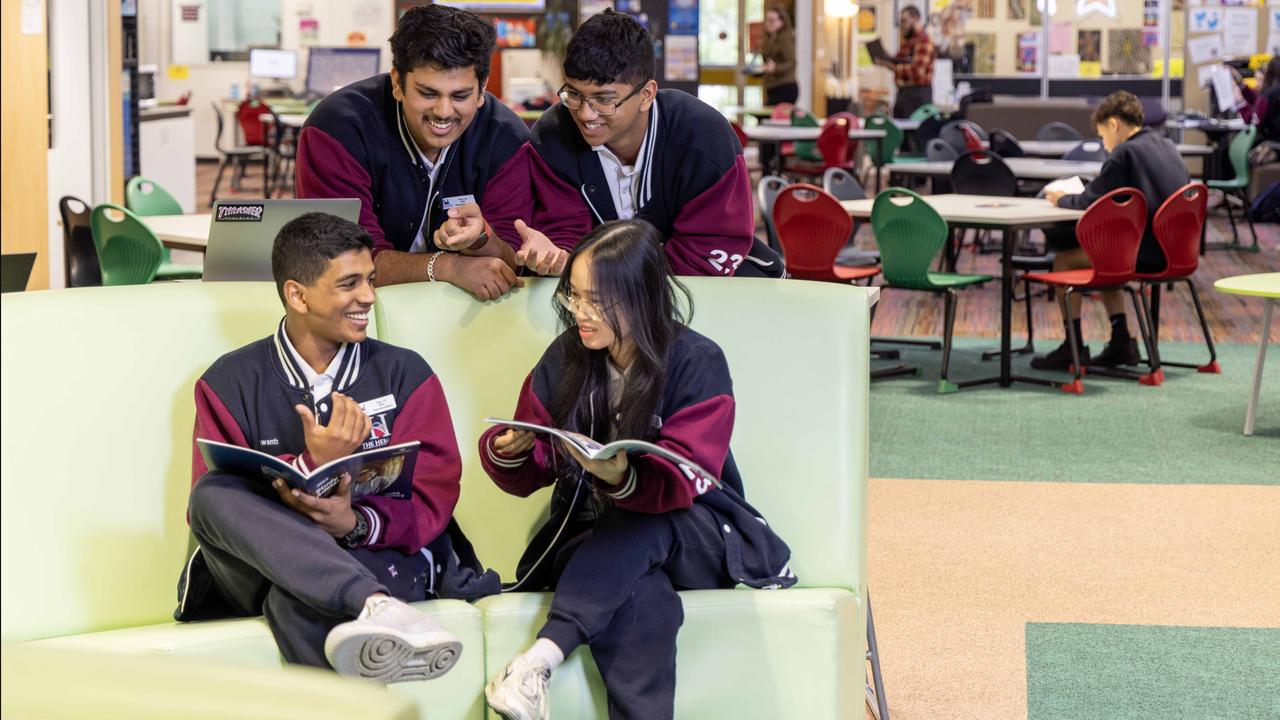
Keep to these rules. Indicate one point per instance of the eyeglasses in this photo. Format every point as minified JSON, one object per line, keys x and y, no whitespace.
{"x":603,"y":108}
{"x":576,"y":305}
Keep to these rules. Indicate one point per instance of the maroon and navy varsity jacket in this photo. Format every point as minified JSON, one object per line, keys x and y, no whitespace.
{"x":694,"y":418}
{"x":247,"y":398}
{"x":695,"y":187}
{"x":355,"y":144}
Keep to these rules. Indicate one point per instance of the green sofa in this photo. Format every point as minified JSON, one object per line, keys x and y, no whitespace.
{"x":95,"y":472}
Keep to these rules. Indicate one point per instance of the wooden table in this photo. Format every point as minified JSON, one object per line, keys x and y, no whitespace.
{"x":1023,"y":168}
{"x":181,"y":232}
{"x":1010,"y":215}
{"x":1263,"y":285}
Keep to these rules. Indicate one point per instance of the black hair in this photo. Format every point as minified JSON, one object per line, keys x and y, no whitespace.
{"x":634,"y":286}
{"x":610,"y":47}
{"x":305,"y":245}
{"x":912,"y":11}
{"x":1271,"y":75}
{"x":443,"y":38}
{"x":1122,"y":105}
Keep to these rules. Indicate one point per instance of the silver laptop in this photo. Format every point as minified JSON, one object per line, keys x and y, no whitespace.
{"x":241,"y":233}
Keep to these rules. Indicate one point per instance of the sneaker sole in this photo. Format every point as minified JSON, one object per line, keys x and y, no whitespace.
{"x":505,"y":710}
{"x":388,"y":658}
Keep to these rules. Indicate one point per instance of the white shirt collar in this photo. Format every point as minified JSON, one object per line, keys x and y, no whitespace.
{"x":321,"y":384}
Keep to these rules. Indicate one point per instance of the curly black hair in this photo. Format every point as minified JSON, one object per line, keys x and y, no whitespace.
{"x":443,"y":38}
{"x":608,"y":48}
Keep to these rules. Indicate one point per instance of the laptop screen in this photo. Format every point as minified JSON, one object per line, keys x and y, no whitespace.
{"x":241,"y":233}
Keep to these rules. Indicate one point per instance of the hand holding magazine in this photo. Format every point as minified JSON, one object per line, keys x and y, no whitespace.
{"x":1067,"y":186}
{"x":596,"y":451}
{"x":386,"y":471}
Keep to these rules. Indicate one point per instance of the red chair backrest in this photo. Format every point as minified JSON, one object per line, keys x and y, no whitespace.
{"x":743,"y":140}
{"x":971,"y":139}
{"x":1110,"y":233}
{"x":250,"y":123}
{"x":833,"y":141}
{"x":782,"y":111}
{"x":1177,"y":227}
{"x":812,"y":226}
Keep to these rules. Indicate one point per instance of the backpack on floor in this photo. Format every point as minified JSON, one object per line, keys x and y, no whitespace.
{"x":1266,"y":206}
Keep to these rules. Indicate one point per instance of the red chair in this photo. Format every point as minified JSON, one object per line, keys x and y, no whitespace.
{"x":972,"y":141}
{"x":1110,"y":233}
{"x":1177,"y":226}
{"x":783,"y":111}
{"x":812,"y":227}
{"x":834,"y":144}
{"x":743,"y":140}
{"x":249,"y":116}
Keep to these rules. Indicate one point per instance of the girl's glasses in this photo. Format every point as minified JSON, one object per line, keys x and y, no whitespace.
{"x":576,"y":305}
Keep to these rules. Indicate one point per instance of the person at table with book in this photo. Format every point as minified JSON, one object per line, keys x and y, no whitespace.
{"x":1141,"y":159}
{"x":626,"y":533}
{"x":422,"y":148}
{"x":330,"y":575}
{"x":913,"y":65}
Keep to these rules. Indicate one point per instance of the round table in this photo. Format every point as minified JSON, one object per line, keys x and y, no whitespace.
{"x":1263,"y":285}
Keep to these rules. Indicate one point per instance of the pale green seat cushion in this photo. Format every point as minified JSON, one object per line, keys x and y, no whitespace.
{"x":45,"y":683}
{"x":248,"y":642}
{"x":741,"y":653}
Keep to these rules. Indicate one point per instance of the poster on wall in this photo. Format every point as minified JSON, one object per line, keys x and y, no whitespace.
{"x":308,"y":32}
{"x":984,"y":53}
{"x":590,"y":8}
{"x":1273,"y":44}
{"x":867,"y":20}
{"x":1204,"y":49}
{"x":1060,"y":37}
{"x":682,"y":17}
{"x":1065,"y":66}
{"x":1089,"y":45}
{"x":1028,"y":52}
{"x":1126,"y":55}
{"x":1205,"y":19}
{"x":1273,"y":14}
{"x":189,"y":33}
{"x":682,"y":58}
{"x":516,"y":32}
{"x":1017,"y":9}
{"x":1241,"y":30}
{"x":1150,"y":37}
{"x":986,"y":9}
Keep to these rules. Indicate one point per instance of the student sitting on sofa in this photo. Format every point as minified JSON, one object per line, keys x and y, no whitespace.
{"x":409,"y":144}
{"x":627,"y":532}
{"x":617,"y":147}
{"x":330,"y":575}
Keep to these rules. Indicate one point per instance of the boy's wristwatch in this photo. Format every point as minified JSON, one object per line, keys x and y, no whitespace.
{"x":358,"y":533}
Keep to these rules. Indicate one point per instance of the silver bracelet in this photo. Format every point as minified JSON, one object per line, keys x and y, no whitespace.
{"x":431,"y":266}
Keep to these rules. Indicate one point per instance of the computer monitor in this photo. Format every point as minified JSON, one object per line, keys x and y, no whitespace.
{"x":278,"y":64}
{"x":241,"y":233}
{"x":331,"y":68}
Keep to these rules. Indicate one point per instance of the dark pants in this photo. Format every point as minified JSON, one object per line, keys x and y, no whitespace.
{"x":617,"y":594}
{"x":266,"y":558}
{"x":788,"y":93}
{"x":911,"y":98}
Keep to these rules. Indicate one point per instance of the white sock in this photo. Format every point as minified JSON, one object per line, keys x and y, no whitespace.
{"x":545,"y":652}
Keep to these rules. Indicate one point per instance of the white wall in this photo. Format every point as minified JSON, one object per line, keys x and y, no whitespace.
{"x":211,"y":82}
{"x":803,"y":22}
{"x":69,"y":97}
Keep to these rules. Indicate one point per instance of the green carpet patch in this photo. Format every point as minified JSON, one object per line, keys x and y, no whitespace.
{"x":1078,"y":671}
{"x":1187,"y":431}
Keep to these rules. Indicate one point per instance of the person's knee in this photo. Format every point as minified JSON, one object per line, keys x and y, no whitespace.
{"x":633,"y":524}
{"x":211,"y":498}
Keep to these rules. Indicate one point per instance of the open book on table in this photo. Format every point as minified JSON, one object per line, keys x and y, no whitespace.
{"x":386,"y":471}
{"x":1067,"y":186}
{"x":597,"y":451}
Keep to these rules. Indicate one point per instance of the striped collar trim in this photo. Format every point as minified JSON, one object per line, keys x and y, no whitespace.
{"x":348,"y":362}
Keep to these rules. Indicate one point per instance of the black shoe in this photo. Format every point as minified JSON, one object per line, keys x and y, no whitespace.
{"x":1060,"y":358}
{"x":1118,"y":352}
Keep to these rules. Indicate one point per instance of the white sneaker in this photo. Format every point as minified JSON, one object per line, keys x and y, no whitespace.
{"x":520,"y":690}
{"x":392,"y":642}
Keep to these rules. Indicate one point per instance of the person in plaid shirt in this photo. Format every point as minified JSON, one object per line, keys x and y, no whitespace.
{"x":913,"y":65}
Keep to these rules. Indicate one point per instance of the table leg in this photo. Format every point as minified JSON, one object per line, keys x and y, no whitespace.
{"x":1252,"y":412}
{"x":1006,"y":306}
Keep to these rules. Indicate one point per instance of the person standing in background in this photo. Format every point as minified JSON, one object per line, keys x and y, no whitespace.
{"x":913,"y":65}
{"x":778,"y":51}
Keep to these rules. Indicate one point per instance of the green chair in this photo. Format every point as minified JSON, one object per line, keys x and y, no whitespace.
{"x":910,"y":234}
{"x":129,"y":253}
{"x":1238,"y":185}
{"x":804,"y":149}
{"x":145,"y":197}
{"x":926,"y":111}
{"x":884,"y":151}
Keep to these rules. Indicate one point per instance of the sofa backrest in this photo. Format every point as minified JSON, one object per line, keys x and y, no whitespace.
{"x":798,"y":353}
{"x":1023,"y":119}
{"x":98,"y":408}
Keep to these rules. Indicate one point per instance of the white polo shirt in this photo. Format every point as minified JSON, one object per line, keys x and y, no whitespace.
{"x":321,"y":384}
{"x":433,"y":170}
{"x":625,"y":180}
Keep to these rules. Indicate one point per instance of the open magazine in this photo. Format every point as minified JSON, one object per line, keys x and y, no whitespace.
{"x":1068,"y":186}
{"x":386,"y":471}
{"x":596,"y":451}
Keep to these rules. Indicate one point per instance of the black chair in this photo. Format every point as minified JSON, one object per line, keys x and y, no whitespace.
{"x":1005,"y":145}
{"x":234,"y":156}
{"x":1087,"y":151}
{"x":929,"y":129}
{"x":1058,"y":131}
{"x":952,"y":133}
{"x":844,"y":186}
{"x":978,"y":172}
{"x":81,"y":256}
{"x":939,"y":150}
{"x":284,"y":150}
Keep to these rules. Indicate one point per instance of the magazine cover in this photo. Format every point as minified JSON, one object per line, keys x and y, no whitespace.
{"x":386,"y":471}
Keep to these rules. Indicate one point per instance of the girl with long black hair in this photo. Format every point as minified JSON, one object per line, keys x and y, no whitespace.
{"x":625,"y":533}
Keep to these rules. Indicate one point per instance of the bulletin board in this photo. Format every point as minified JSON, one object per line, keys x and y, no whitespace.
{"x":1218,"y":31}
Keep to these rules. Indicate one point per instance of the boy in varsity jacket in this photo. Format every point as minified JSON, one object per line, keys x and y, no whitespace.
{"x":617,"y":147}
{"x":410,"y":143}
{"x":330,"y":575}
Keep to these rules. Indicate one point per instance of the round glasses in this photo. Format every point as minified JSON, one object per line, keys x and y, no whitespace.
{"x":604,"y":108}
{"x":575,"y":305}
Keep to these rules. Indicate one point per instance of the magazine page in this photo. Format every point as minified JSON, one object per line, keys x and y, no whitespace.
{"x":386,"y":471}
{"x":247,"y":462}
{"x":584,"y":444}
